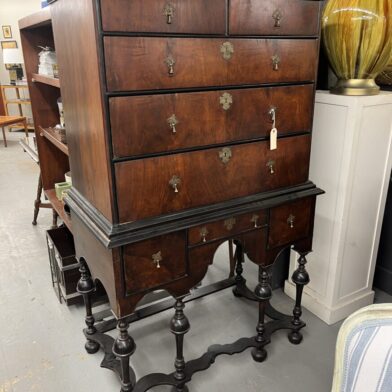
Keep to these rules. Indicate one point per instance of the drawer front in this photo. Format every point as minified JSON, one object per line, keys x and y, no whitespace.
{"x":136,"y":63}
{"x":159,"y":123}
{"x":154,"y":262}
{"x":226,"y":228}
{"x":290,"y":222}
{"x":275,"y":17}
{"x":147,"y":187}
{"x":164,"y":16}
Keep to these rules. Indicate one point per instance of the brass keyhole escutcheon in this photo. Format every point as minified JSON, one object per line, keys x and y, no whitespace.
{"x":229,"y":223}
{"x":169,"y":13}
{"x":174,"y":183}
{"x":227,"y":50}
{"x":157,"y":258}
{"x":170,"y":62}
{"x":290,"y":221}
{"x":226,"y":100}
{"x":271,"y":166}
{"x":173,"y":122}
{"x":275,"y":62}
{"x":278,"y":16}
{"x":255,"y":221}
{"x":225,"y":155}
{"x":203,"y":234}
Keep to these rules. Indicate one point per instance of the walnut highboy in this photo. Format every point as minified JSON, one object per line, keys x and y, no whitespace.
{"x":172,"y":109}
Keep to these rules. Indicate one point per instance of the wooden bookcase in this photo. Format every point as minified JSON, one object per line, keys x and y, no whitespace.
{"x":36,"y":30}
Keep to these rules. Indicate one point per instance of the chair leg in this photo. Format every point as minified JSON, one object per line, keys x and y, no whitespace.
{"x":26,"y":130}
{"x":5,"y":139}
{"x":37,"y":201}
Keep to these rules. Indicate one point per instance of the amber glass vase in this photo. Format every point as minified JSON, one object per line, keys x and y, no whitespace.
{"x":357,"y":36}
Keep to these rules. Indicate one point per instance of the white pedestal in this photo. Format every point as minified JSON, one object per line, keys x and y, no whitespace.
{"x":351,"y":161}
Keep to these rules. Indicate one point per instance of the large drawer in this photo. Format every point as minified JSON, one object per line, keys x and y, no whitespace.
{"x":156,"y":186}
{"x":149,"y":63}
{"x":163,"y":16}
{"x":275,"y":17}
{"x":157,"y":123}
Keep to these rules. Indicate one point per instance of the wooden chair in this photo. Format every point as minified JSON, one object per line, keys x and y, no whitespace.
{"x":11,"y":120}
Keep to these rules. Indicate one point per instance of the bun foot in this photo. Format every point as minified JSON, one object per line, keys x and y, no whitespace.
{"x":236,"y":293}
{"x":91,"y":347}
{"x":259,"y":355}
{"x":295,"y":337}
{"x":180,"y":389}
{"x":127,"y":389}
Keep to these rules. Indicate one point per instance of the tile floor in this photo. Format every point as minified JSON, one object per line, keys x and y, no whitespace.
{"x":41,"y":344}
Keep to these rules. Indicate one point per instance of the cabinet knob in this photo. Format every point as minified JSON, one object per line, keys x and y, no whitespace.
{"x":174,"y":183}
{"x":173,"y":122}
{"x":271,"y":166}
{"x":275,"y":62}
{"x":157,"y":258}
{"x":291,"y":221}
{"x":277,"y":16}
{"x":203,"y":234}
{"x":169,"y":13}
{"x":170,"y":62}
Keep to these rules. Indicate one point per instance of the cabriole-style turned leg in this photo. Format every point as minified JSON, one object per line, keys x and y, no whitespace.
{"x":240,"y":259}
{"x":37,"y":201}
{"x":300,"y":278}
{"x":179,"y":326}
{"x":86,"y":287}
{"x":263,"y":293}
{"x":123,"y":347}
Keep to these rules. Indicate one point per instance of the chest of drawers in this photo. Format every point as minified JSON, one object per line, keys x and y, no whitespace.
{"x":169,"y":108}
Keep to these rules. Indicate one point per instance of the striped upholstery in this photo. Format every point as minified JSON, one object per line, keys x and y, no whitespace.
{"x":363,"y":361}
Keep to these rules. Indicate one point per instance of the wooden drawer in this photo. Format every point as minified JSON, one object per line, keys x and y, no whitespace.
{"x":290,"y":222}
{"x":275,"y":17}
{"x":152,"y":263}
{"x":187,"y":16}
{"x":137,"y":63}
{"x":226,"y":227}
{"x":144,"y":124}
{"x":145,"y":187}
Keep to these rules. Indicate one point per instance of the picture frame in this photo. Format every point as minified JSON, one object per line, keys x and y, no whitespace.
{"x":9,"y":44}
{"x":7,"y":31}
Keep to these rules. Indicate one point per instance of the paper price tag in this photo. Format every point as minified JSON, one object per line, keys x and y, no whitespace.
{"x":274,"y":139}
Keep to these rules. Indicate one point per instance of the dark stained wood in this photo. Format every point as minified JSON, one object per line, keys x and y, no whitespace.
{"x":83,"y":106}
{"x":256,"y":17}
{"x":142,"y":273}
{"x":140,"y":123}
{"x":134,"y":63}
{"x":281,"y":232}
{"x":226,"y":228}
{"x":49,"y":134}
{"x":143,"y":185}
{"x":190,"y":16}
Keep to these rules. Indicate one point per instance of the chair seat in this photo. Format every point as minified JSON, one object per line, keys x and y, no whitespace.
{"x":9,"y":120}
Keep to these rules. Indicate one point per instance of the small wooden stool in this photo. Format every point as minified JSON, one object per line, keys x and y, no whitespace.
{"x":11,"y":120}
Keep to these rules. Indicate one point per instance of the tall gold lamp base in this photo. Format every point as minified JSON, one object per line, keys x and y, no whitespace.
{"x":357,"y":87}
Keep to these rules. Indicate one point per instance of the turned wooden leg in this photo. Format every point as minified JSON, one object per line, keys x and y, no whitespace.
{"x":26,"y":129}
{"x":179,"y":326}
{"x":240,"y":259}
{"x":54,"y":221}
{"x":86,"y":287}
{"x":300,"y":278}
{"x":4,"y":137}
{"x":123,"y":347}
{"x":37,"y":201}
{"x":263,"y":293}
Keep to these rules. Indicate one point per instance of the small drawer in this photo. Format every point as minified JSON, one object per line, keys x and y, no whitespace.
{"x":160,"y":185}
{"x":290,"y":222}
{"x":164,"y":16}
{"x":153,"y":263}
{"x":275,"y":17}
{"x":149,"y":124}
{"x":226,"y":228}
{"x":152,"y":63}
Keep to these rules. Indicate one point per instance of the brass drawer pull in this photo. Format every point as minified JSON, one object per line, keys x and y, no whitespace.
{"x":169,"y":13}
{"x":157,"y":258}
{"x":226,"y":100}
{"x":271,"y":166}
{"x":225,"y":155}
{"x":170,"y":62}
{"x":229,"y":223}
{"x":255,"y":221}
{"x":278,"y":16}
{"x":290,"y":221}
{"x":203,"y":234}
{"x":275,"y":62}
{"x":175,"y":182}
{"x":173,"y":122}
{"x":227,"y":50}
